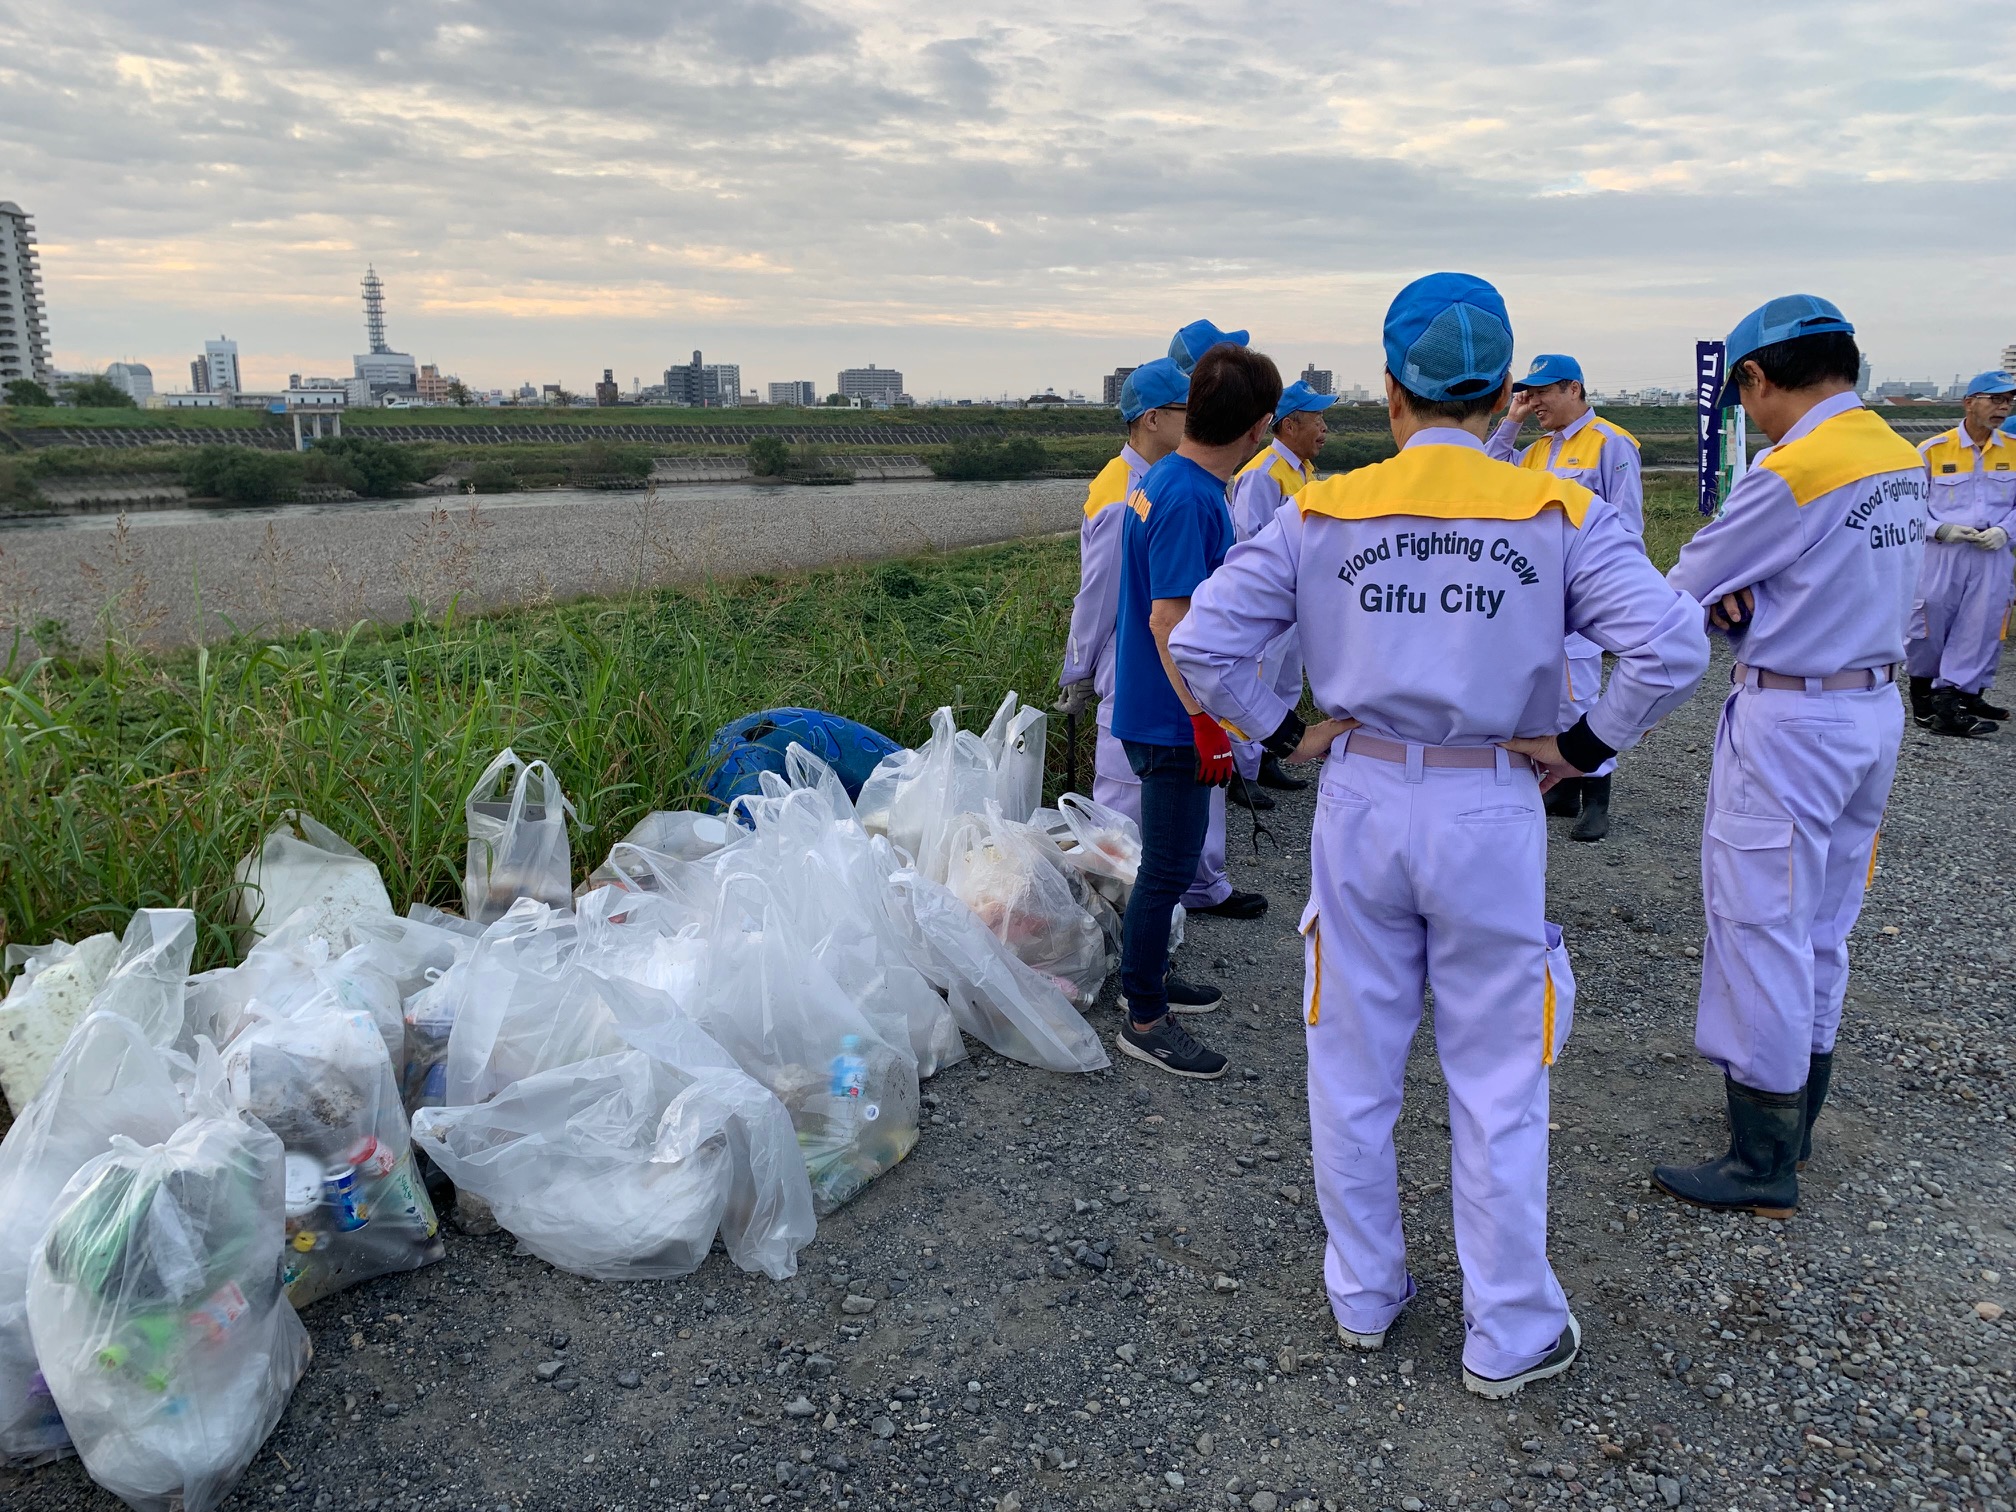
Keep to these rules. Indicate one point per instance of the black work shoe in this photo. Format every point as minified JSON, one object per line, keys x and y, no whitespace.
{"x":1240,"y":905}
{"x":1564,"y":799}
{"x":1168,"y":1046}
{"x":1921,"y":702}
{"x":1595,"y":821}
{"x":1190,"y":997}
{"x":1972,"y":703}
{"x":1248,"y":795}
{"x":1272,"y":775}
{"x":1950,"y":717}
{"x":1558,"y":1360}
{"x":1819,"y":1074}
{"x":1760,"y":1173}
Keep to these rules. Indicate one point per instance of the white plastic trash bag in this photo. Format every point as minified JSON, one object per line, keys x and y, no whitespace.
{"x":1016,"y":740}
{"x":44,"y":1004}
{"x":917,"y":797}
{"x":294,"y":966}
{"x":109,"y":1079}
{"x":1005,"y":873}
{"x":303,"y":864}
{"x":995,"y":998}
{"x":518,"y":843}
{"x":624,"y":1167}
{"x":319,"y":1078}
{"x":157,"y":1312}
{"x":148,"y":982}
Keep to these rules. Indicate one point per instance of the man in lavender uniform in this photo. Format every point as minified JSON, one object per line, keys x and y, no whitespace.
{"x":1603,"y":457}
{"x":1433,"y":592}
{"x":1812,"y":568}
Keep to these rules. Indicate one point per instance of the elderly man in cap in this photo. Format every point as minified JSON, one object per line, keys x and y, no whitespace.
{"x":1603,"y":457}
{"x":1259,"y":489}
{"x":1812,"y":567}
{"x":1432,"y":592}
{"x":1964,"y":587}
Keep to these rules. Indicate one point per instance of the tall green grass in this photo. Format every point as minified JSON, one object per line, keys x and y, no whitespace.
{"x":131,"y":780}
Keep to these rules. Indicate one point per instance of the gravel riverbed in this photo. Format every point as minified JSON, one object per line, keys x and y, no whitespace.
{"x":1105,"y":1292}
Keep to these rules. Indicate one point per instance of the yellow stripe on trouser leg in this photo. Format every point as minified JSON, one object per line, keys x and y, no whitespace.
{"x":1315,"y":933}
{"x":1875,"y":840}
{"x":1547,"y":1018}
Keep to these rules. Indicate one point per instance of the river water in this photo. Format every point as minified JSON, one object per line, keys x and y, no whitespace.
{"x":171,"y":577}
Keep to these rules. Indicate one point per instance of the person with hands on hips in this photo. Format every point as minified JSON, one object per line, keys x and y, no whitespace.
{"x":1603,"y":457}
{"x":1432,"y":593}
{"x":1174,"y":535}
{"x":1964,"y":586}
{"x":1812,"y":568}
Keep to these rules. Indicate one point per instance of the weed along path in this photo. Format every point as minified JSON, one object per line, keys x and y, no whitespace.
{"x":179,"y":576}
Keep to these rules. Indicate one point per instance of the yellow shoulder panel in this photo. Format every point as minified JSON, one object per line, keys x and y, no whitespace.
{"x":1110,"y":487}
{"x":1292,"y":479}
{"x":1535,"y":455}
{"x":1444,"y":483}
{"x":1853,"y":444}
{"x":1258,"y":460}
{"x":1613,"y":428}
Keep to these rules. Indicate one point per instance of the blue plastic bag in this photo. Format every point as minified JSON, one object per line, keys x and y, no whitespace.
{"x":740,"y":752}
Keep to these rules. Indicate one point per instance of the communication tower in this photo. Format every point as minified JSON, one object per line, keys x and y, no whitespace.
{"x":374,"y":310}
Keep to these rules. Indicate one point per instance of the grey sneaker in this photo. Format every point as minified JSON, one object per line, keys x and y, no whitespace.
{"x":1562,"y":1356}
{"x":1169,"y":1046}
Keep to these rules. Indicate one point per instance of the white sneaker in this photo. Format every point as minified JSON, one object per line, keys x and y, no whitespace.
{"x":1367,"y":1342}
{"x":1558,"y":1359}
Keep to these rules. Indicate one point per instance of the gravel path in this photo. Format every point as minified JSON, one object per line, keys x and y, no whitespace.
{"x":176,"y":576}
{"x":1050,"y":1328}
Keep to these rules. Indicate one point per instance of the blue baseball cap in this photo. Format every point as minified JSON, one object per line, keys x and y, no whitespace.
{"x":1298,"y":396}
{"x":1197,"y":338}
{"x":1777,"y":320}
{"x":1550,"y":367}
{"x":1150,"y":386}
{"x":1994,"y":381}
{"x":1448,"y":337}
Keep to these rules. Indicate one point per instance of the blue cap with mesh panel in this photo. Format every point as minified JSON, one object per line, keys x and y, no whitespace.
{"x":1777,"y":320}
{"x":1550,"y":367}
{"x":1150,"y":386}
{"x":1448,"y":337}
{"x":1297,"y":397}
{"x":1993,"y":381}
{"x":1197,"y":338}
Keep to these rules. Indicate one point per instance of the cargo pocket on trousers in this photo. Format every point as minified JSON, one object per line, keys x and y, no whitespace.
{"x":1749,"y":867}
{"x":1557,"y":1007}
{"x":1312,"y":965}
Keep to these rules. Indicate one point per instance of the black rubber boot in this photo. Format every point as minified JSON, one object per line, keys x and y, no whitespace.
{"x":1249,"y":795}
{"x":1921,"y":702}
{"x":1980,"y":708}
{"x":1950,"y":718}
{"x":1595,"y":821}
{"x":1760,"y":1173}
{"x":1819,"y":1072}
{"x":1272,"y":775}
{"x":1564,"y":799}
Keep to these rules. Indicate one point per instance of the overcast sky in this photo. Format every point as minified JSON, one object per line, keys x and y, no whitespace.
{"x":998,"y":197}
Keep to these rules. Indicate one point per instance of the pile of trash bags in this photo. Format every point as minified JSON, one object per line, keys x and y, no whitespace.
{"x":721,"y":1036}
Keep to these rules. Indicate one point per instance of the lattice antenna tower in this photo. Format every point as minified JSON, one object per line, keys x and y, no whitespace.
{"x":374,"y":310}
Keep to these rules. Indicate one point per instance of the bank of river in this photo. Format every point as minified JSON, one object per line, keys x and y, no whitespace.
{"x":176,"y":576}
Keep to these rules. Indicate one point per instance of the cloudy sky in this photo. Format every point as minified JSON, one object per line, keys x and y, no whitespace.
{"x":998,"y":197}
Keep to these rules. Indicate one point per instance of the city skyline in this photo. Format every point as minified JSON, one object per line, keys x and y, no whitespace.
{"x":981,"y":226}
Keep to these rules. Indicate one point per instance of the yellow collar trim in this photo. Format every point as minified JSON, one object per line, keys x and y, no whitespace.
{"x":1838,"y":451}
{"x":1443,"y":482}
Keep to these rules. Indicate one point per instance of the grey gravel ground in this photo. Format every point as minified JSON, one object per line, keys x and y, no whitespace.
{"x":177,"y":576}
{"x":1049,"y":1328}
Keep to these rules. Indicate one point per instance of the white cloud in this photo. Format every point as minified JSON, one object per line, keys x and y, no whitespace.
{"x":995,"y":198}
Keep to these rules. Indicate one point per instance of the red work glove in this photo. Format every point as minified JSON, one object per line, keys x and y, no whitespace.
{"x":1214,"y":750}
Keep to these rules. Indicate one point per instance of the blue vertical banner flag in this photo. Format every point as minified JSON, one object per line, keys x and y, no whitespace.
{"x":1708,"y":422}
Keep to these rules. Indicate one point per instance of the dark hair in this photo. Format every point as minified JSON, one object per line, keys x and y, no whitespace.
{"x":1231,"y":389}
{"x":1803,"y":361}
{"x":1458,"y":410}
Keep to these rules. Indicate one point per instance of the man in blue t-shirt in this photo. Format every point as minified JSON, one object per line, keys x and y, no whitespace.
{"x":1176,"y":531}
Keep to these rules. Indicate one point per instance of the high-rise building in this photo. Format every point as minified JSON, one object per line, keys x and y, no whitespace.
{"x":1111,"y":384}
{"x":216,"y":371}
{"x":432,"y":384}
{"x":2009,"y":360}
{"x":876,"y":385}
{"x":134,"y":379}
{"x":1866,"y":376}
{"x":24,"y":331}
{"x":383,"y":370}
{"x":1318,"y":379}
{"x":803,"y":392}
{"x":703,"y":384}
{"x":607,"y":392}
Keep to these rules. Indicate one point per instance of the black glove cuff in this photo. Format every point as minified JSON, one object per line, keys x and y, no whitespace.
{"x":1581,"y":749}
{"x":1287,"y":735}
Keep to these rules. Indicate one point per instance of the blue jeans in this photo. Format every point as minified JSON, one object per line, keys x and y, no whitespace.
{"x":1175,"y":813}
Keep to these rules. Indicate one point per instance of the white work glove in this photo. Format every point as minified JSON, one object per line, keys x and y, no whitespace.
{"x":1949,"y":532}
{"x":1994,"y":538}
{"x":1078,"y":697}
